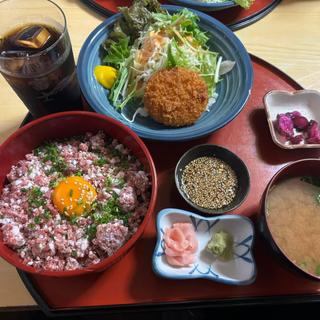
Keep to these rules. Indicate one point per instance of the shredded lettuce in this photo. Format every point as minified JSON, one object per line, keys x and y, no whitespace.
{"x":244,"y":3}
{"x":118,"y":52}
{"x":202,"y":61}
{"x":184,"y":21}
{"x":157,"y":40}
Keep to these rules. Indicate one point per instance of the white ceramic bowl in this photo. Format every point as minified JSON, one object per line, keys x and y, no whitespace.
{"x":240,"y":270}
{"x":307,"y":102}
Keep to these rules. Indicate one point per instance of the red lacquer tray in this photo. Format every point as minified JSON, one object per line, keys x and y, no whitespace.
{"x":235,"y":18}
{"x":131,"y":283}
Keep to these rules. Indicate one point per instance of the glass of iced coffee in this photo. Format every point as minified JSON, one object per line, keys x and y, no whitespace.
{"x":36,"y":57}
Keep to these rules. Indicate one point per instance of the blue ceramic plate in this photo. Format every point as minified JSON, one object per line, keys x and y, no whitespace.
{"x":240,"y":270}
{"x":233,"y":91}
{"x":204,"y":6}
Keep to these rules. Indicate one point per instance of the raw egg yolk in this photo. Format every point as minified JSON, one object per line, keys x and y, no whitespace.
{"x":105,"y":75}
{"x":73,"y":196}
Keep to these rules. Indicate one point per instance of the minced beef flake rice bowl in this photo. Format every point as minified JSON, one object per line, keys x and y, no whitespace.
{"x":73,"y":202}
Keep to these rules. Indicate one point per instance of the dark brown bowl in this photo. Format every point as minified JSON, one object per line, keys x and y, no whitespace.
{"x":239,"y":167}
{"x":305,"y":167}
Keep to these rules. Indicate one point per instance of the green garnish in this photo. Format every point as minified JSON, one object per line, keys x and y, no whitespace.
{"x":53,"y":183}
{"x":108,"y":182}
{"x":80,"y":202}
{"x":74,"y":254}
{"x":117,"y":52}
{"x":120,"y":182}
{"x":91,"y":231}
{"x":49,"y":152}
{"x":71,"y":193}
{"x":244,"y":3}
{"x":78,"y":173}
{"x":100,"y":162}
{"x":100,"y":218}
{"x":36,"y":152}
{"x":93,"y":207}
{"x":35,"y":198}
{"x":110,"y":211}
{"x":31,"y":226}
{"x":47,"y":214}
{"x":37,"y":220}
{"x":73,"y":220}
{"x":318,"y":270}
{"x":24,"y":190}
{"x":318,"y":198}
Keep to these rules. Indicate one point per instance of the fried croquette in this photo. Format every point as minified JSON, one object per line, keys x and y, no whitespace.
{"x":176,"y":97}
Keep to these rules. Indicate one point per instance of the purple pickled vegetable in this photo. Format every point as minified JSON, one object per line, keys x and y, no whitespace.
{"x":297,"y":139}
{"x":313,"y":130}
{"x":293,"y":114}
{"x":315,"y":140}
{"x":300,"y":122}
{"x":284,"y":125}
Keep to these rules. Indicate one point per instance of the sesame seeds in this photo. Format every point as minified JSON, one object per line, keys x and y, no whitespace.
{"x":209,"y":182}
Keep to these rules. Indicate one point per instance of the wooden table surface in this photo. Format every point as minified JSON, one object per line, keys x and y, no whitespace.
{"x":289,"y":38}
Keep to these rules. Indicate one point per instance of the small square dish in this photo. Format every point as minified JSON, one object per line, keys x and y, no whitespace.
{"x":240,"y":269}
{"x":303,"y":102}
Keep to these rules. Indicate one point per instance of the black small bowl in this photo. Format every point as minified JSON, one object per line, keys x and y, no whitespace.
{"x":211,"y":150}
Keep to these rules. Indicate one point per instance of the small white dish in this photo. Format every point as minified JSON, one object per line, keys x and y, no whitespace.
{"x":240,"y":270}
{"x":307,"y":102}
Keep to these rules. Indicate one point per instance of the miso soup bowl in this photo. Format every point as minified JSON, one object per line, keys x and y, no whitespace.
{"x":305,"y":167}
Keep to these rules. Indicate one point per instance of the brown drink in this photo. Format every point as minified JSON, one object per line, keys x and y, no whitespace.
{"x":37,"y":61}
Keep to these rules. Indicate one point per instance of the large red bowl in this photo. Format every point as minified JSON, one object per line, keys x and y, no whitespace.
{"x":64,"y":125}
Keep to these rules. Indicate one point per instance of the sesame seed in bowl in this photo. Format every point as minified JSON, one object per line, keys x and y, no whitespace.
{"x":212,"y":179}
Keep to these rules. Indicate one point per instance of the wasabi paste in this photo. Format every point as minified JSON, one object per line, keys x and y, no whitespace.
{"x":221,"y":245}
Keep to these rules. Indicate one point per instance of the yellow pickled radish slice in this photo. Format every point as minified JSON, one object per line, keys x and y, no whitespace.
{"x":105,"y":75}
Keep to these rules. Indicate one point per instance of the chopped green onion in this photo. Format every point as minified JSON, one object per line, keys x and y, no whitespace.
{"x":73,"y":219}
{"x":37,"y":220}
{"x":74,"y":254}
{"x":91,"y":231}
{"x":35,"y":198}
{"x":47,"y":214}
{"x":100,"y":162}
{"x":31,"y":226}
